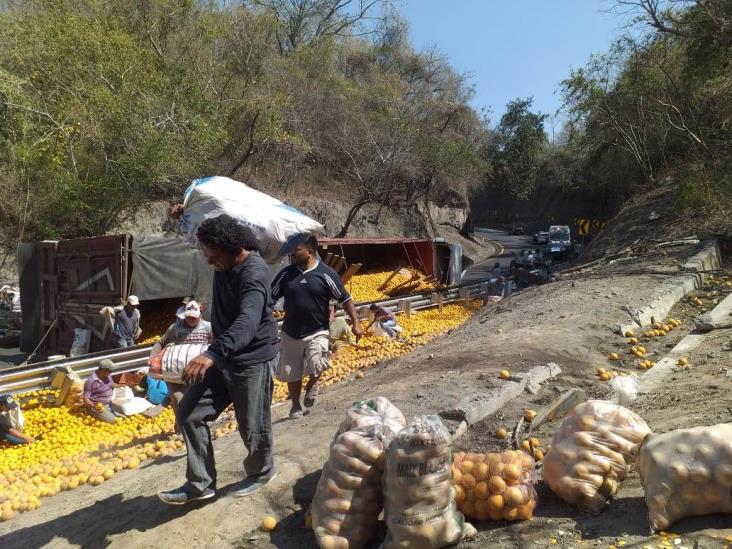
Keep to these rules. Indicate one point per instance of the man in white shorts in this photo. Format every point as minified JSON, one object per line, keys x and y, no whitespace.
{"x":307,"y":285}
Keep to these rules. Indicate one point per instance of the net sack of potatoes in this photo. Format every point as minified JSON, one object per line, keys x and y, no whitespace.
{"x":373,"y":411}
{"x":419,"y":498}
{"x":686,"y":473}
{"x":495,"y":486}
{"x":592,"y":452}
{"x":348,"y":498}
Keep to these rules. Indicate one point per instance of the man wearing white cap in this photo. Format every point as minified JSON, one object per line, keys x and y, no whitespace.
{"x":190,"y":328}
{"x":127,"y":323}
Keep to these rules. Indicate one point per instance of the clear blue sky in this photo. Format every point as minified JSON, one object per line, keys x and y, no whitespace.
{"x":513,"y":48}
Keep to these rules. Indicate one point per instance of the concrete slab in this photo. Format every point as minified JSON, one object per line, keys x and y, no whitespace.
{"x":653,"y":377}
{"x":475,"y":407}
{"x":691,"y":278}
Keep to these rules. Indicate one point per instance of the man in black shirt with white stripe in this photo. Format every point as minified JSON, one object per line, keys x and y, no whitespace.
{"x":308,"y":286}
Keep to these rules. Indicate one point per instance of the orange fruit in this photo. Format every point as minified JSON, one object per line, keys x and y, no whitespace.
{"x":481,"y":490}
{"x":468,"y":481}
{"x":468,"y":508}
{"x":513,"y":496}
{"x":496,"y":485}
{"x":457,"y":476}
{"x":510,"y":513}
{"x":481,"y":472}
{"x":459,"y":494}
{"x":495,"y":514}
{"x":526,"y":511}
{"x":467,"y":467}
{"x":471,"y":456}
{"x":495,"y":502}
{"x":512,"y":473}
{"x":481,"y":510}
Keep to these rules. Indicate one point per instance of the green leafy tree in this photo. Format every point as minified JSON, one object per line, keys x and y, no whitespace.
{"x":518,"y":149}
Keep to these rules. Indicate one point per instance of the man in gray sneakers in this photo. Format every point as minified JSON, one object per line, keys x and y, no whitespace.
{"x":237,"y":367}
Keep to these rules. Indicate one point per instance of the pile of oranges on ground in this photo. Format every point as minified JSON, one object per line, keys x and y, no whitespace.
{"x":420,"y":328}
{"x":72,"y":448}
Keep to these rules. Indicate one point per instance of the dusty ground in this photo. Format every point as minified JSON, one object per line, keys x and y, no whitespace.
{"x":568,"y":322}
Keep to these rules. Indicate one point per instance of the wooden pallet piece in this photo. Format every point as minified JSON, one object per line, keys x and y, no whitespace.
{"x":388,"y":279}
{"x":352,"y":270}
{"x":338,"y":267}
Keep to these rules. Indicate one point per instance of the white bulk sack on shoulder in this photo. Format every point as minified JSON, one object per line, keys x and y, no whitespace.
{"x":274,"y":226}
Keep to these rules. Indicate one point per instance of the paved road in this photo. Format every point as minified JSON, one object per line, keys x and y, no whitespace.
{"x":10,"y":357}
{"x":508,"y":246}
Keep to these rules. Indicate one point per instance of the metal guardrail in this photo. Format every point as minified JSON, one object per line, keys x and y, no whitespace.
{"x":30,"y":377}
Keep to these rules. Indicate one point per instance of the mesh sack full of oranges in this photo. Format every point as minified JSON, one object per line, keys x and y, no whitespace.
{"x":495,"y":486}
{"x":686,"y":473}
{"x":376,"y":411}
{"x":592,"y":452}
{"x":419,"y":497}
{"x":348,"y":498}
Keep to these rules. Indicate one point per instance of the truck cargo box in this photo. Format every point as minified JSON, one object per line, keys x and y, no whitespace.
{"x":65,"y":283}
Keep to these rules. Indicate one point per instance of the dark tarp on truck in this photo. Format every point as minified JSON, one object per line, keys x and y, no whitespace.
{"x":65,"y":283}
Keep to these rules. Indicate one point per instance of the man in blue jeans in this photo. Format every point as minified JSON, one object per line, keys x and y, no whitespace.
{"x":386,"y":320}
{"x":236,"y":368}
{"x":11,"y":422}
{"x":127,"y":323}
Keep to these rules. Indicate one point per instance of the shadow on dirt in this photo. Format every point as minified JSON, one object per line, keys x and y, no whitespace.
{"x":91,"y":526}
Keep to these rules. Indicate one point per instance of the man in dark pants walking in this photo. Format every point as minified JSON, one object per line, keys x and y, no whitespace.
{"x":237,"y":367}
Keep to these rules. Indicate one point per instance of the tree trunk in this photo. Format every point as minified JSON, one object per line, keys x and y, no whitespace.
{"x":351,"y":216}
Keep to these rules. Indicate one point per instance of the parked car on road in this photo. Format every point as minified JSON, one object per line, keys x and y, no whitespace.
{"x":517,"y":231}
{"x":560,"y":241}
{"x":542,"y":237}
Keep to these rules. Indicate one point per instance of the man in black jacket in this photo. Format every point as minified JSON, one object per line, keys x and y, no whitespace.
{"x":237,"y":367}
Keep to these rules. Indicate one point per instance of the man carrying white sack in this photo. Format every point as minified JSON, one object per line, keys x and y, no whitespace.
{"x":189,"y":328}
{"x":308,"y":285}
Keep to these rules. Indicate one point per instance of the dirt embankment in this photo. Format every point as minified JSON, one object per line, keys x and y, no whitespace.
{"x":569,"y":322}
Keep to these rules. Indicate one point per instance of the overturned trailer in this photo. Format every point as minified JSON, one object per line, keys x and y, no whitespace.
{"x":433,"y":257}
{"x":65,"y":283}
